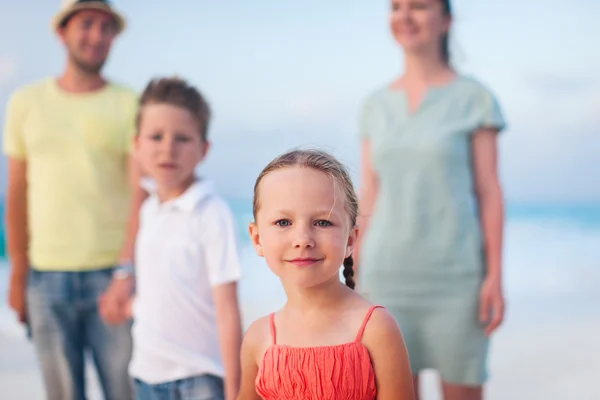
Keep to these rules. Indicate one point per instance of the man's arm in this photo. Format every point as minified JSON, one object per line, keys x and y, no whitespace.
{"x":17,"y":234}
{"x":230,"y":335}
{"x":17,"y":237}
{"x":113,"y":302}
{"x":138,"y":195}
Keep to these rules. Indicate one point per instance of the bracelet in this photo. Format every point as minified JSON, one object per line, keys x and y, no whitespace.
{"x":123,"y":271}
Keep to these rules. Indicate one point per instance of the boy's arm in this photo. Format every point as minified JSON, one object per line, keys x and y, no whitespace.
{"x":230,"y":335}
{"x":389,"y":357}
{"x":218,"y":242}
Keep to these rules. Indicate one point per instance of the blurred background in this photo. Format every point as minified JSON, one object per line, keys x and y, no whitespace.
{"x":280,"y":74}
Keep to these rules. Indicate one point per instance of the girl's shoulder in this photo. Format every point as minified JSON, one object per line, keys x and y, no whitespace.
{"x":380,"y":328}
{"x":258,"y":328}
{"x":257,"y":337}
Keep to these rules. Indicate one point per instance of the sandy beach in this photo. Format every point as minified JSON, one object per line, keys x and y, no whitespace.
{"x":531,"y":359}
{"x":547,"y":349}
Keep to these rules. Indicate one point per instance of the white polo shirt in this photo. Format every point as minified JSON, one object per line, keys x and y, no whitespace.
{"x":184,"y":248}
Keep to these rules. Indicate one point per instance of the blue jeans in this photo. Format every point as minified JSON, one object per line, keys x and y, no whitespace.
{"x":65,"y":323}
{"x":204,"y":387}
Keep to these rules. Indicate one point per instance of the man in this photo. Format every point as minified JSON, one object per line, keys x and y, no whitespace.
{"x":72,"y":205}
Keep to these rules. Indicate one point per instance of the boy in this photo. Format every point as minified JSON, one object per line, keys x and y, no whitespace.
{"x":186,"y":265}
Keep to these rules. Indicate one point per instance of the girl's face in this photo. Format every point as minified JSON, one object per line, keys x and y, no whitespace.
{"x":302,"y":227}
{"x":418,"y":25}
{"x":169,"y":147}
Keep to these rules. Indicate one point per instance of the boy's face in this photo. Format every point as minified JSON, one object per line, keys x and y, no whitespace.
{"x":169,"y":147}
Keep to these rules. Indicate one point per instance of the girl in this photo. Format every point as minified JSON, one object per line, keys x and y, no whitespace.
{"x":327,"y":342}
{"x":432,"y":204}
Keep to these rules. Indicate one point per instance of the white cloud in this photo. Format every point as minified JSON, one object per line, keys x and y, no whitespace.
{"x":8,"y":69}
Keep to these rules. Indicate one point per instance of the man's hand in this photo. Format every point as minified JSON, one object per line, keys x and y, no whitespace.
{"x":16,"y":296}
{"x":114,"y":303}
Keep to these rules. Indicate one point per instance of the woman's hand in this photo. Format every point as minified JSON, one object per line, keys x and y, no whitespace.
{"x":491,"y":304}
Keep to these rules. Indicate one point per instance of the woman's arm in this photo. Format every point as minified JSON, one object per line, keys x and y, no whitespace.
{"x":389,"y":356}
{"x":230,"y":335}
{"x":249,"y":360}
{"x":491,"y":214}
{"x":369,"y":187}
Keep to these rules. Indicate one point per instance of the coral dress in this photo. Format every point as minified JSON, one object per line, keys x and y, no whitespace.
{"x":338,"y":372}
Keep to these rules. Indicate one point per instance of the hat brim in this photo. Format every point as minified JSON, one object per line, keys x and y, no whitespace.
{"x":62,"y":15}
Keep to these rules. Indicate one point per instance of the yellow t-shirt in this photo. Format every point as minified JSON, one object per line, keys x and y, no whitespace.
{"x":76,"y":147}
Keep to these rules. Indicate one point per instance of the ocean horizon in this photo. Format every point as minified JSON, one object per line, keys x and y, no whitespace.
{"x":550,"y":250}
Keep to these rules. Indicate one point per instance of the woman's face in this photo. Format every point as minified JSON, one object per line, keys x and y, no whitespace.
{"x":419,"y":25}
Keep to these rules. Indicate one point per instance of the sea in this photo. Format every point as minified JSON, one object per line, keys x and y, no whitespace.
{"x":551,"y":265}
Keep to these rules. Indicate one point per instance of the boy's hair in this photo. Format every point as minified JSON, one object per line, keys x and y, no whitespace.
{"x":178,"y":93}
{"x":326,"y":163}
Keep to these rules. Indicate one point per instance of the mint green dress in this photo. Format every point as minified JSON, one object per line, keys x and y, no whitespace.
{"x":422,"y":255}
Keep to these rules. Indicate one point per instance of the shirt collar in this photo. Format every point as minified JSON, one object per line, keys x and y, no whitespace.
{"x":188,"y":200}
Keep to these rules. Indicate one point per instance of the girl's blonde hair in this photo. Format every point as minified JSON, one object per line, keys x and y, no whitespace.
{"x":328,"y":164}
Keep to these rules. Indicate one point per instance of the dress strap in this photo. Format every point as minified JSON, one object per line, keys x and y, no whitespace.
{"x":364,"y":324}
{"x":272,"y":325}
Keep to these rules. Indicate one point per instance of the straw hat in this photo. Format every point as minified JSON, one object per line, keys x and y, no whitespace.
{"x":69,"y":7}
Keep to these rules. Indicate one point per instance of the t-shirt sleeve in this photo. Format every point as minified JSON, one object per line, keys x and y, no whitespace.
{"x":131,"y":108}
{"x":489,"y":112}
{"x":220,"y":245}
{"x":13,"y":141}
{"x":370,"y":119}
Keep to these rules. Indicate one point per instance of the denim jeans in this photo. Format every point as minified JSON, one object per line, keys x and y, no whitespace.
{"x":65,"y":324}
{"x":203,"y":387}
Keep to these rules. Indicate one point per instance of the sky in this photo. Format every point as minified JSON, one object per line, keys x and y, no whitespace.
{"x":281,"y":74}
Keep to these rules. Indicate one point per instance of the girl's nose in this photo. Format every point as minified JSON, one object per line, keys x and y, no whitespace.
{"x":303,"y":238}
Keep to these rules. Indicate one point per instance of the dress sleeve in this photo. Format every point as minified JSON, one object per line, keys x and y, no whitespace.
{"x":131,"y":108}
{"x":489,"y":113}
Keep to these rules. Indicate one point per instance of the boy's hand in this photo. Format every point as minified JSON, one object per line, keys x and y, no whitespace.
{"x":113,"y":304}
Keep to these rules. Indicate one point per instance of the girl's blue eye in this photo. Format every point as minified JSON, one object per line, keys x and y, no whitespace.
{"x":282,"y":222}
{"x":323,"y":223}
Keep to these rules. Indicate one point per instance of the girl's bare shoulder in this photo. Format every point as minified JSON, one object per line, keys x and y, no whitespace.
{"x":257,"y":337}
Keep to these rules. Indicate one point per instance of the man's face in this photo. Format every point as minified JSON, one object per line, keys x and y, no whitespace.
{"x":88,"y":36}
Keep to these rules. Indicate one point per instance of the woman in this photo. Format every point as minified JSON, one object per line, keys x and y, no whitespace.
{"x":431,"y":204}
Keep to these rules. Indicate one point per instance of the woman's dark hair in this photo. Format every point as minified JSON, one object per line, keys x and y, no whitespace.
{"x":446,"y":38}
{"x":326,"y":163}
